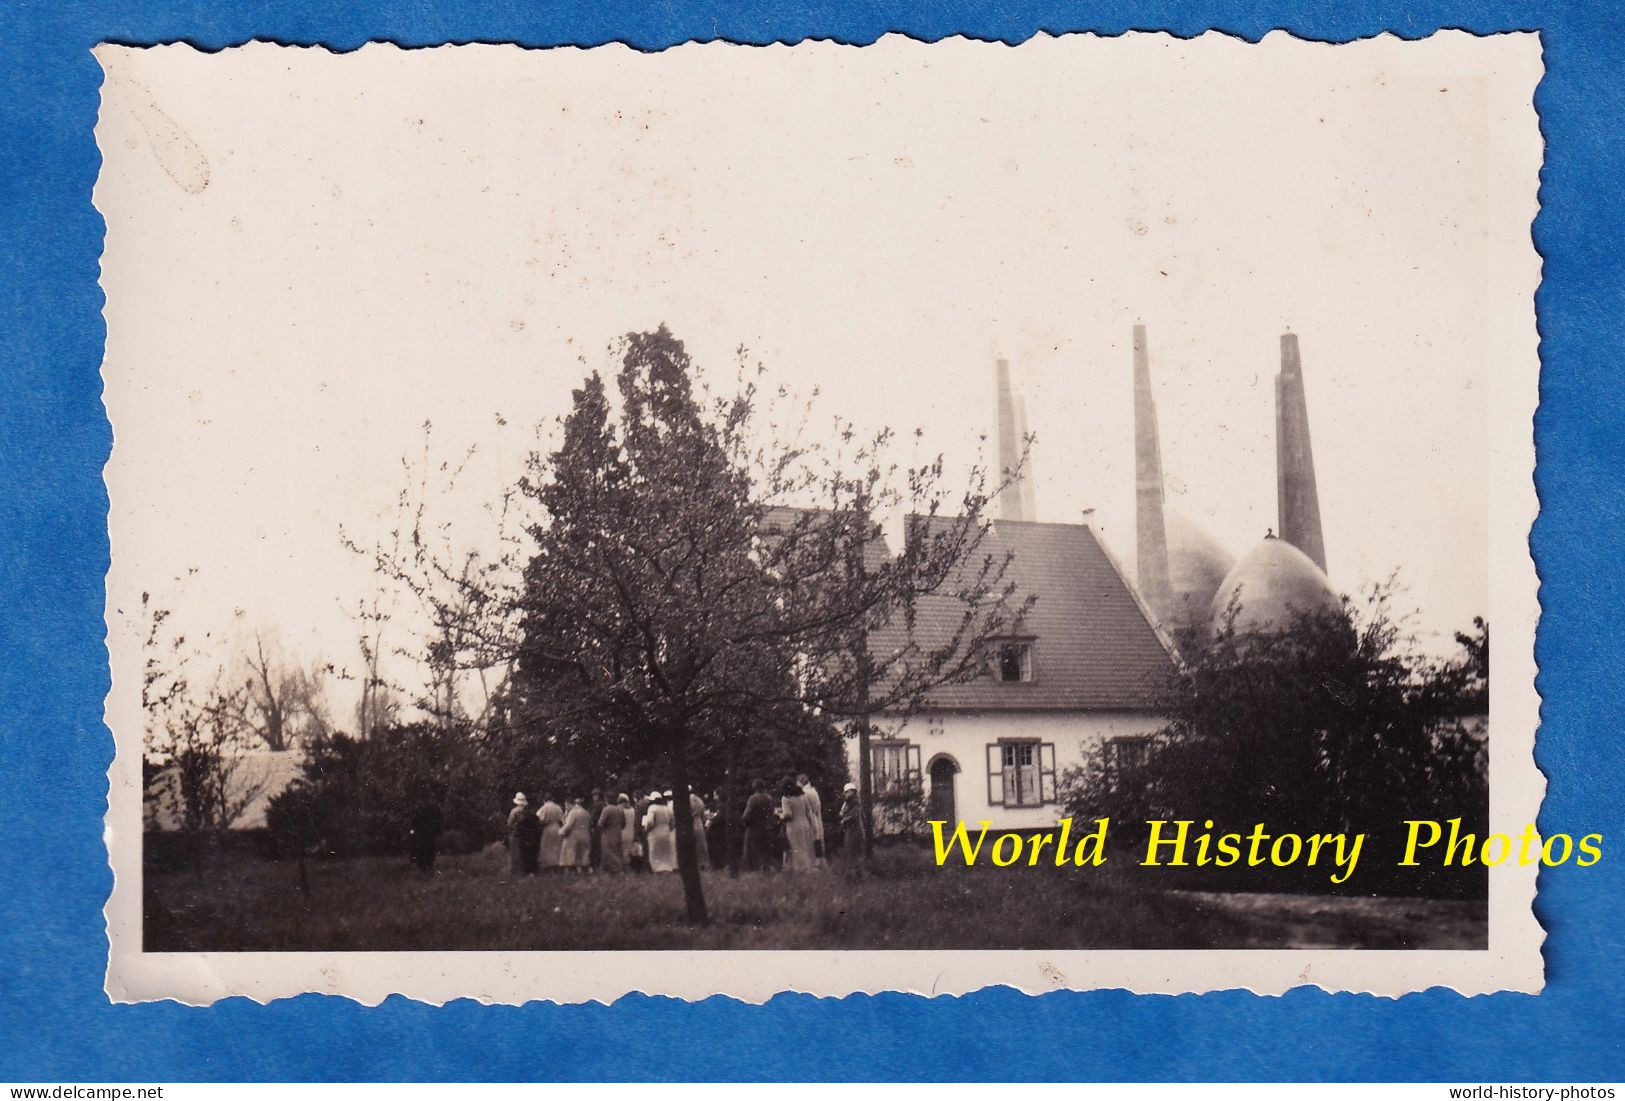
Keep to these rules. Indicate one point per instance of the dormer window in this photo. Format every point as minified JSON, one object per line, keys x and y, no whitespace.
{"x":1012,"y":660}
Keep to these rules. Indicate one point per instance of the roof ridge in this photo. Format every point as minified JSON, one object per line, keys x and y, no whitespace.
{"x":999,"y":523}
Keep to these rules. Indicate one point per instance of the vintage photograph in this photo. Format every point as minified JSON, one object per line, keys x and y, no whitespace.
{"x":911,"y":517}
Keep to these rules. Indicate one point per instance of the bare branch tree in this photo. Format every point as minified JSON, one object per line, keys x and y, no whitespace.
{"x":283,"y":704}
{"x":469,"y":596}
{"x":201,"y":774}
{"x":377,"y":705}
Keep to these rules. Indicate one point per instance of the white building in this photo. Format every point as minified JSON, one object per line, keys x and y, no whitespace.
{"x":1080,"y":678}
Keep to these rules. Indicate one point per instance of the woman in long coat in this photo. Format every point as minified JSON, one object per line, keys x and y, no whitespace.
{"x":551,"y":816}
{"x":815,"y":814}
{"x":524,"y":837}
{"x":640,"y":842}
{"x":612,"y":828}
{"x":629,"y":832}
{"x":798,"y":828}
{"x":594,"y":810}
{"x":657,"y":827}
{"x":716,"y":830}
{"x":702,"y":850}
{"x":576,"y":838}
{"x":850,"y":818}
{"x":757,"y":821}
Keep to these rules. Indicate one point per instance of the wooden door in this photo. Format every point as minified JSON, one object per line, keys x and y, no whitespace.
{"x":942,"y":789}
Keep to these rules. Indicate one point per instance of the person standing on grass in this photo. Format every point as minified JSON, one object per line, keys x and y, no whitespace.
{"x":425,"y":839}
{"x":612,"y":827}
{"x":815,"y":814}
{"x":696,"y":810}
{"x":798,"y":833}
{"x":640,"y":815}
{"x":629,"y":833}
{"x":757,"y":822}
{"x":551,"y":816}
{"x":716,"y":840}
{"x":849,"y":824}
{"x":524,"y":837}
{"x":595,"y":809}
{"x":576,"y":838}
{"x":658,"y":827}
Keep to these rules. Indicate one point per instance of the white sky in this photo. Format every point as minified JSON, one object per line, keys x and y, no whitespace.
{"x":386,"y":237}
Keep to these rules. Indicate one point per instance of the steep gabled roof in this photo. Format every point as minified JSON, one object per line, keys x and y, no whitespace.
{"x":1094,"y":648}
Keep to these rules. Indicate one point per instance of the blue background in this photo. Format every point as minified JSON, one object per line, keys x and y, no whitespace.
{"x":55,"y":1022}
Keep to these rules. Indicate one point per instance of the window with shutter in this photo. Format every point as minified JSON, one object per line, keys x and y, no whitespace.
{"x":895,"y":765}
{"x":1022,"y":772}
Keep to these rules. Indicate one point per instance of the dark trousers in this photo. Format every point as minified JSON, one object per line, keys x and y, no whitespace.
{"x":758,"y":850}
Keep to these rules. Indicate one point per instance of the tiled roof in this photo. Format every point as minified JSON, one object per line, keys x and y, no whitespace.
{"x":1093,"y":647}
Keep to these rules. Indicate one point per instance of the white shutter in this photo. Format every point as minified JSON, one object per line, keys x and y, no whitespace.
{"x":1027,"y":781}
{"x":995,"y":776}
{"x":1047,"y":773}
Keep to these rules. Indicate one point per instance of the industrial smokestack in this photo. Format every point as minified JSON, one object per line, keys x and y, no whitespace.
{"x":1016,"y":501}
{"x":1029,"y":508}
{"x":1150,"y":532}
{"x":1297,"y":497}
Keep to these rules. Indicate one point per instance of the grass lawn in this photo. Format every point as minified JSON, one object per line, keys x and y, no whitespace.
{"x":901,"y":901}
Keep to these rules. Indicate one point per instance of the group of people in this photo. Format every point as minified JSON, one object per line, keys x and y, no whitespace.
{"x":641,"y":835}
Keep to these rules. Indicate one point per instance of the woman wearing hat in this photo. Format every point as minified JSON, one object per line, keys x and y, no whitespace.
{"x":851,"y":828}
{"x":657,"y":825}
{"x":524,"y":837}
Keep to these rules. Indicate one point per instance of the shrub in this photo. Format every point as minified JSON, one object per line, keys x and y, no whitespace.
{"x":900,"y":810}
{"x":1331,"y":725}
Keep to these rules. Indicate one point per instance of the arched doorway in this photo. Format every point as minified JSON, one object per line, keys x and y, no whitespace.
{"x":942,"y":770}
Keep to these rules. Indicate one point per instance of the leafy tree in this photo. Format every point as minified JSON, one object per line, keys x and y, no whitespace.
{"x":1334,"y":723}
{"x":356,"y":795}
{"x":672,"y":607}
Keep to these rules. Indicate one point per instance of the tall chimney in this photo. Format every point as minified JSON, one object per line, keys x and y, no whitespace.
{"x":1298,"y":500}
{"x":1151,"y":536}
{"x":1029,"y":508}
{"x":1015,"y":502}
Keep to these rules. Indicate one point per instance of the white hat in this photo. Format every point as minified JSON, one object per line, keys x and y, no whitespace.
{"x":668,"y":795}
{"x":850,"y":787}
{"x":520,"y":800}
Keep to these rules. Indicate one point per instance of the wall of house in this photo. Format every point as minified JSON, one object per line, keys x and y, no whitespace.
{"x":965,"y":736}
